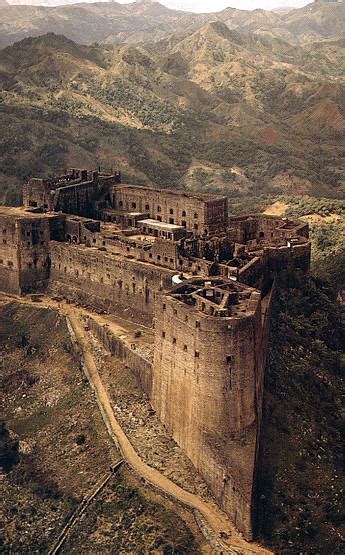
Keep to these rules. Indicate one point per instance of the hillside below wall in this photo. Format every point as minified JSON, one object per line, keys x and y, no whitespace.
{"x":140,"y":366}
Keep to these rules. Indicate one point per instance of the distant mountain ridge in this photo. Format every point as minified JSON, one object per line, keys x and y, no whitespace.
{"x":116,"y":23}
{"x":212,"y":109}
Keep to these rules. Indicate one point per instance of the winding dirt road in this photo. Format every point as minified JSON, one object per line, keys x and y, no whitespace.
{"x":225,"y":536}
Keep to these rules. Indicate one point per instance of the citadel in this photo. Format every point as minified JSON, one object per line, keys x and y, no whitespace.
{"x":175,"y":262}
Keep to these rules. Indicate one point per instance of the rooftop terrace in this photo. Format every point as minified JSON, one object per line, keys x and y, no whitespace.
{"x":216,"y":297}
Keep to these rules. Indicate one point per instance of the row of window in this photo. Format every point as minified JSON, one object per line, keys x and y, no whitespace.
{"x":185,"y":347}
{"x":159,"y":258}
{"x":197,"y":323}
{"x":159,"y":209}
{"x":228,"y":358}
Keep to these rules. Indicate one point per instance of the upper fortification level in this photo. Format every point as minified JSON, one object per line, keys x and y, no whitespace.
{"x":266,"y":230}
{"x":216,"y":297}
{"x":102,"y":196}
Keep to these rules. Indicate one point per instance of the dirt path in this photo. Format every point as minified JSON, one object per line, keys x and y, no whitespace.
{"x":220,"y":527}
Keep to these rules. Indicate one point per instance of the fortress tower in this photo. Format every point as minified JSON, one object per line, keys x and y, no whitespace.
{"x":207,"y":384}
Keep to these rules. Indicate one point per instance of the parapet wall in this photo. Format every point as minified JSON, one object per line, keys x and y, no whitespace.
{"x":140,"y":366}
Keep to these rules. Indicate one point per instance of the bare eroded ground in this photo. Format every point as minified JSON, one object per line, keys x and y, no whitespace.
{"x":56,"y":449}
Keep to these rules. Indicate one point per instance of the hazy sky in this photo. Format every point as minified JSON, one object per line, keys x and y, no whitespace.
{"x":193,"y":5}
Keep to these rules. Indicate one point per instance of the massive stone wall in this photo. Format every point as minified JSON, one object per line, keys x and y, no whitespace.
{"x":207,"y":374}
{"x":33,"y":244}
{"x":78,"y":199}
{"x":206,"y":382}
{"x":106,"y":281}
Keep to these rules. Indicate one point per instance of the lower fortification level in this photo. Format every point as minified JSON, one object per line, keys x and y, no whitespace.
{"x":173,"y":261}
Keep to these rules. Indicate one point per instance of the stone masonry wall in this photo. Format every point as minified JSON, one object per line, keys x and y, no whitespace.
{"x":33,"y":244}
{"x":191,"y":211}
{"x":140,"y":366}
{"x":106,"y":281}
{"x":207,"y":372}
{"x":9,"y":255}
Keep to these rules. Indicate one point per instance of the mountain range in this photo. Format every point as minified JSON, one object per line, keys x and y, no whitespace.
{"x":111,"y":22}
{"x":215,"y":108}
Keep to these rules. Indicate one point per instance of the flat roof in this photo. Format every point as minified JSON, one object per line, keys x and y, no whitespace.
{"x":177,"y":192}
{"x":161,"y":225}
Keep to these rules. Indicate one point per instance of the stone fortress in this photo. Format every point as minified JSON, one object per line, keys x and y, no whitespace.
{"x":173,"y":261}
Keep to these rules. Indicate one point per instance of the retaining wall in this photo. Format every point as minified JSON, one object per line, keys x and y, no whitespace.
{"x":116,"y":346}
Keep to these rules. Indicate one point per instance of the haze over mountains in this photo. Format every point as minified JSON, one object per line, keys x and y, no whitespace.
{"x":119,"y":23}
{"x":191,"y":103}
